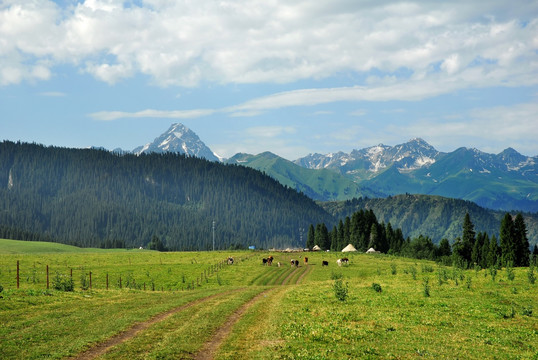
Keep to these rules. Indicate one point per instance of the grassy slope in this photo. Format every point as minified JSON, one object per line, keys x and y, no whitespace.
{"x":473,"y":319}
{"x":34,"y":247}
{"x":320,"y":184}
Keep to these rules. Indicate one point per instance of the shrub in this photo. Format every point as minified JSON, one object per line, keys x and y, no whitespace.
{"x":427,"y":268}
{"x":510,"y":273}
{"x":530,"y":275}
{"x":376,"y":287}
{"x":527,"y":311}
{"x":63,"y":283}
{"x":413,"y":271}
{"x":84,"y":281}
{"x":426,"y":283}
{"x":336,"y":276}
{"x":493,"y":273}
{"x":468,"y":282}
{"x":340,"y":289}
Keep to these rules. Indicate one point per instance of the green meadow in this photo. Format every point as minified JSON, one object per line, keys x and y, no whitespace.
{"x":376,"y":307}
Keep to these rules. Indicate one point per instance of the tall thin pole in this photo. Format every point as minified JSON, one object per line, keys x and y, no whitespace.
{"x":213,"y":235}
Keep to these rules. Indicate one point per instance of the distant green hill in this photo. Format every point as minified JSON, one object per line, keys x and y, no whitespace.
{"x":34,"y":247}
{"x":322,"y":185}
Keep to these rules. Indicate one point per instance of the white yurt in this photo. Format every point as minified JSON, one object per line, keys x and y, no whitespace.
{"x":371,"y":251}
{"x":349,"y":248}
{"x":316,"y":248}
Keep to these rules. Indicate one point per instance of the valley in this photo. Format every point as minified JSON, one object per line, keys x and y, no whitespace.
{"x":247,"y":311}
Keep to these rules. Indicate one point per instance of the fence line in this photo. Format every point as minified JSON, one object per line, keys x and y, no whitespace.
{"x":131,"y":284}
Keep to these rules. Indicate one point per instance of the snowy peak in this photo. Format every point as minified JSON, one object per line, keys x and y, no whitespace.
{"x":179,"y":139}
{"x":409,"y":156}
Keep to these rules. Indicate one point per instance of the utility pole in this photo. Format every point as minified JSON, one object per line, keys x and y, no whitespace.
{"x":213,"y":235}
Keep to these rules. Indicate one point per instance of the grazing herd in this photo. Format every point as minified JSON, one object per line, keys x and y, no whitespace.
{"x":269,"y":261}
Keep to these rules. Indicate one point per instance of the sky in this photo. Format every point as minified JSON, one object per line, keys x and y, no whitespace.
{"x":288,"y":76}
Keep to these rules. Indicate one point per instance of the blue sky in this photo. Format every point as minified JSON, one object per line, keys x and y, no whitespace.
{"x":291,"y":77}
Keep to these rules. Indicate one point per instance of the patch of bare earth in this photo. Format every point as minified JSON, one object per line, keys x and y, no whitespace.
{"x":105,"y":346}
{"x":208,"y":351}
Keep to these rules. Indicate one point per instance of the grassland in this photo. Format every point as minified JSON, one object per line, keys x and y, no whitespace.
{"x":456,"y":315}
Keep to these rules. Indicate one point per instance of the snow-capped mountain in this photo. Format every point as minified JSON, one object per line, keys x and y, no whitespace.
{"x":505,"y":181}
{"x":179,"y":139}
{"x":367,"y":162}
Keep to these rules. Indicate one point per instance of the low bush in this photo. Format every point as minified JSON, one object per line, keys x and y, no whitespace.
{"x":376,"y":287}
{"x":340,"y":290}
{"x":63,"y":283}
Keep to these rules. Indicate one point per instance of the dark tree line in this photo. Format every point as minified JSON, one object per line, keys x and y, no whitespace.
{"x":363,"y":231}
{"x":94,"y":198}
{"x":479,"y":249}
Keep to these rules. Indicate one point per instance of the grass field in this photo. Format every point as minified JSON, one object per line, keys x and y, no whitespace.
{"x":417,"y":310}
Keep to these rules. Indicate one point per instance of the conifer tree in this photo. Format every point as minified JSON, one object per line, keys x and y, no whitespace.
{"x":508,"y":243}
{"x":493,"y":252}
{"x":521,"y":242}
{"x":310,"y":237}
{"x":484,"y":252}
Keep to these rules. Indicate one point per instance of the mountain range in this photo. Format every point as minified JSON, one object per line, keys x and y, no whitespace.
{"x":505,"y":181}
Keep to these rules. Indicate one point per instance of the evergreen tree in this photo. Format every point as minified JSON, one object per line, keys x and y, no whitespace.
{"x":325,"y":242}
{"x":508,"y":243}
{"x":341,"y":239}
{"x":444,"y":248}
{"x":334,"y":239}
{"x":310,"y":238}
{"x":468,"y":239}
{"x":493,"y":252}
{"x":374,"y":238}
{"x":521,"y":241}
{"x":484,"y":252}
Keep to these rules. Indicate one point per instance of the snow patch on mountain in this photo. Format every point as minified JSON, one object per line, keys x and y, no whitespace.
{"x":179,"y":139}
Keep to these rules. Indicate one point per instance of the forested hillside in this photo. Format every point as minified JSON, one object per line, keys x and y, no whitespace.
{"x":93,"y":197}
{"x":434,"y":216}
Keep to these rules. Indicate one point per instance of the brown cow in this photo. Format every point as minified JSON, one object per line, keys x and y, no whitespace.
{"x":305,"y":260}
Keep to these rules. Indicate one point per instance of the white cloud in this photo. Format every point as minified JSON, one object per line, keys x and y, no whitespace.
{"x":186,"y":43}
{"x":150,"y":113}
{"x":53,"y":94}
{"x":489,"y":129}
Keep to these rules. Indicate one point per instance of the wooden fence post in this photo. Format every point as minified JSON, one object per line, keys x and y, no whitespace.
{"x":47,"y":277}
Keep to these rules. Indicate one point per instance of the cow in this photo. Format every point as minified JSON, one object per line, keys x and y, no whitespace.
{"x":343,"y":261}
{"x":294,"y":262}
{"x":305,"y":260}
{"x":264,"y":261}
{"x":324,"y":263}
{"x":269,"y":261}
{"x":279,"y":264}
{"x":230,"y":261}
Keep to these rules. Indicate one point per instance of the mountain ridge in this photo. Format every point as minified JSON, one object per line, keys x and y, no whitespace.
{"x":505,"y":181}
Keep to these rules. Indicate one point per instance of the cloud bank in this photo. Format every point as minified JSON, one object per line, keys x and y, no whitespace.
{"x":184,"y":43}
